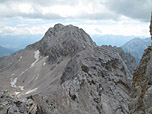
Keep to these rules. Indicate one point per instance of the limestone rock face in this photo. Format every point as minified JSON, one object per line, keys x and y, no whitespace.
{"x":10,"y":104}
{"x":151,"y":27}
{"x":141,"y":102}
{"x":61,"y":41}
{"x":126,"y":57}
{"x":66,"y":73}
{"x":95,"y":81}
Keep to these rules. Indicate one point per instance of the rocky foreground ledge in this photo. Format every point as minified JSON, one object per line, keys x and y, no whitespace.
{"x":10,"y":104}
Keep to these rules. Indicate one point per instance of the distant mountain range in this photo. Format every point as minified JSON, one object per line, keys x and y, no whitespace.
{"x":17,"y":42}
{"x":10,"y":44}
{"x":5,"y":51}
{"x":136,"y":47}
{"x":114,"y":40}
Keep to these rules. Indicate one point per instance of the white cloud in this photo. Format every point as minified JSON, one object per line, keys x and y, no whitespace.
{"x":35,"y":30}
{"x":126,"y":28}
{"x":77,"y":9}
{"x":135,"y":9}
{"x":60,"y":9}
{"x":119,"y":17}
{"x":25,"y":8}
{"x":21,"y":25}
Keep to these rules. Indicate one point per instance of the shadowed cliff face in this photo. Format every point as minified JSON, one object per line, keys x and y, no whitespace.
{"x":66,"y":73}
{"x":151,"y":27}
{"x":141,"y":102}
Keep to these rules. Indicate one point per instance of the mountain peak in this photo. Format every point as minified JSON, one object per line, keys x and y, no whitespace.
{"x":58,"y":25}
{"x":61,"y":41}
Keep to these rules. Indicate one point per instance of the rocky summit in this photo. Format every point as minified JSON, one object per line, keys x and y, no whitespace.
{"x":66,"y":73}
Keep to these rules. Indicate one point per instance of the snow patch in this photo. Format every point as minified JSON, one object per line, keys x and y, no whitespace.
{"x":13,"y":74}
{"x":44,"y":63}
{"x":20,"y":58}
{"x":17,"y":93}
{"x":21,"y":87}
{"x":31,"y":90}
{"x":23,"y":72}
{"x":13,"y":82}
{"x":36,"y":56}
{"x":37,"y":76}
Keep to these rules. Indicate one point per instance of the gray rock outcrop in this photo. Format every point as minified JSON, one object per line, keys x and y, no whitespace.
{"x":10,"y":104}
{"x":94,"y":82}
{"x":126,"y":57}
{"x":61,"y":41}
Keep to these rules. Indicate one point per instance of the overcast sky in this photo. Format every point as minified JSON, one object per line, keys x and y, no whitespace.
{"x":116,"y":17}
